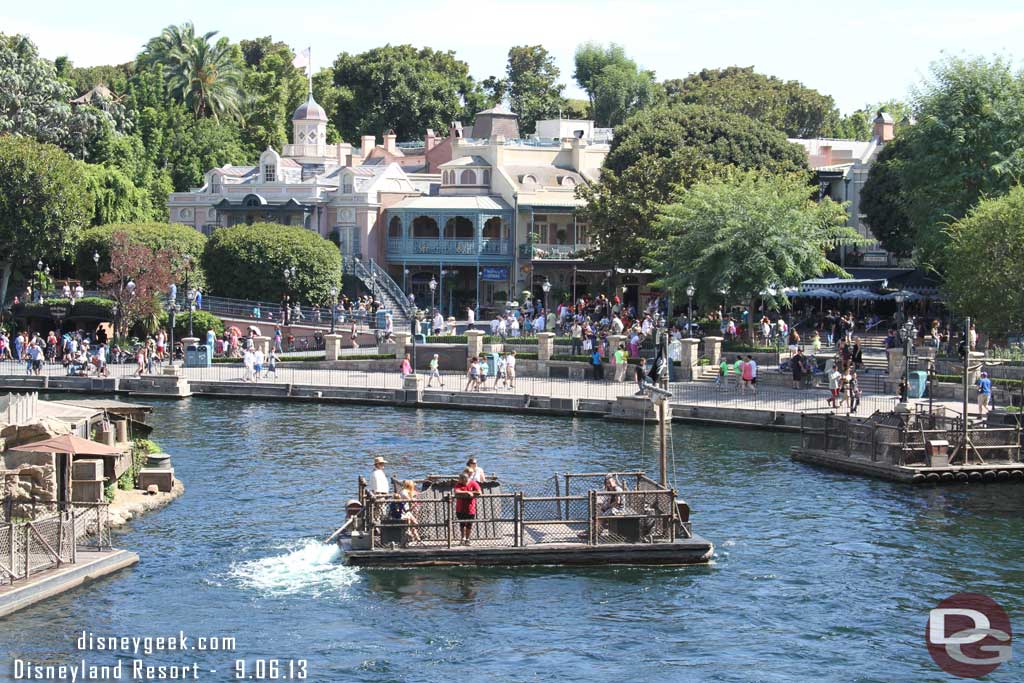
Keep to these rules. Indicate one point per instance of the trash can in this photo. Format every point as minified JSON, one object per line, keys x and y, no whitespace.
{"x":917,"y":383}
{"x":198,"y":356}
{"x":425,"y":328}
{"x":382,"y":320}
{"x":492,"y":364}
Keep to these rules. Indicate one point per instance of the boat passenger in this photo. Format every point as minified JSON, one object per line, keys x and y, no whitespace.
{"x":407,"y":496}
{"x":466,"y":492}
{"x":379,"y":485}
{"x":476,"y":473}
{"x":611,"y":505}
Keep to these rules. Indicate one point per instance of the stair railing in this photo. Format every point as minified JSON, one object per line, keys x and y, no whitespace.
{"x":374,"y":273}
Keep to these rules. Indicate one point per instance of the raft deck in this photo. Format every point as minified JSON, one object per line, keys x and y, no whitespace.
{"x":912,"y":448}
{"x":568,"y":522}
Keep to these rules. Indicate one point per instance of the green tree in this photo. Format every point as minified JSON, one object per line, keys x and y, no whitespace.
{"x":204,"y":76}
{"x":177,"y":241}
{"x":115,"y":197}
{"x":968,"y":143}
{"x":621,"y":90}
{"x":44,"y":204}
{"x":274,"y":88}
{"x":884,"y":201}
{"x":399,"y":87}
{"x":533,"y":88}
{"x":789,"y":106}
{"x":750,"y":234}
{"x":34,"y":102}
{"x":615,"y":85}
{"x":985,"y":267}
{"x":248,"y":262}
{"x":657,"y":154}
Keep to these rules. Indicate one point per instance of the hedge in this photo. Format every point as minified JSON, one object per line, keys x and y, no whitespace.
{"x":248,"y":262}
{"x":749,"y":348}
{"x":181,"y":239}
{"x":996,"y":381}
{"x":201,"y":322}
{"x":448,"y":339}
{"x":317,"y":357}
{"x":86,"y":307}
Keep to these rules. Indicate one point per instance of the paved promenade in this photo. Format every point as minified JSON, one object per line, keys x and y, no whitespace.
{"x":768,"y":397}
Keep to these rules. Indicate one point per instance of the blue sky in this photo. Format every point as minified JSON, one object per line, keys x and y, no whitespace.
{"x":859,"y":53}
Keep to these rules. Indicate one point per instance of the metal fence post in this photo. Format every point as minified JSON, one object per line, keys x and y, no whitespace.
{"x":28,"y":553}
{"x":448,"y":518}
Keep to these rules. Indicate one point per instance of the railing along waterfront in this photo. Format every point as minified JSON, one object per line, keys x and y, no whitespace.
{"x":51,"y":539}
{"x":369,"y":371}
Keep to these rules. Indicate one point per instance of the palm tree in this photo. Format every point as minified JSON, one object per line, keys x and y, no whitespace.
{"x":202,"y":75}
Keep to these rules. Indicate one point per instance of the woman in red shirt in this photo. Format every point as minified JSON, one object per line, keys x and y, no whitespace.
{"x":466,"y":492}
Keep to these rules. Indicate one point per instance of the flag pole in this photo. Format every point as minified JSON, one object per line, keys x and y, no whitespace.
{"x":309,"y":70}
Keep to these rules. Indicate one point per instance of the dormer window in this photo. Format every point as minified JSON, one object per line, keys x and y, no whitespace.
{"x":567,"y":181}
{"x":346,"y":185}
{"x":468,"y":178}
{"x":487,"y":177}
{"x":529,"y":181}
{"x":270,"y":173}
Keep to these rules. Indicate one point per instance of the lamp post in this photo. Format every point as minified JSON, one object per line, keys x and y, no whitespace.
{"x":547,"y":288}
{"x":908,"y":347}
{"x":900,"y":298}
{"x":172,"y":308}
{"x":433,"y":289}
{"x":96,"y":262}
{"x":690,"y":290}
{"x":190,"y":293}
{"x":334,"y":307}
{"x":38,"y":294}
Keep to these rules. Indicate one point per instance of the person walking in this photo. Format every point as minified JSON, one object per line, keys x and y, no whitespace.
{"x":510,"y":369}
{"x":406,"y":367}
{"x":747,"y":375}
{"x":435,"y":371}
{"x":984,"y":393}
{"x":595,"y":361}
{"x":723,"y":373}
{"x":620,"y":363}
{"x":272,"y":359}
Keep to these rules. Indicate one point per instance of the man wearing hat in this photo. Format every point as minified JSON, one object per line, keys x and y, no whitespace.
{"x":379,"y":485}
{"x":476,"y":473}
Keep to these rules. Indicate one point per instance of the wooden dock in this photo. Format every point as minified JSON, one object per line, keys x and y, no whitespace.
{"x":913,"y":448}
{"x":90,"y":565}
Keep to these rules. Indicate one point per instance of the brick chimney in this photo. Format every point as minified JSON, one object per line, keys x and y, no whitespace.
{"x":884,"y":127}
{"x":825,"y":155}
{"x":368,"y":142}
{"x":429,"y":140}
{"x":390,"y":140}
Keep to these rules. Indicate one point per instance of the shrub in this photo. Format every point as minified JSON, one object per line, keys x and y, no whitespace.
{"x":201,"y":322}
{"x":180,"y":239}
{"x":449,"y":339}
{"x":248,"y":262}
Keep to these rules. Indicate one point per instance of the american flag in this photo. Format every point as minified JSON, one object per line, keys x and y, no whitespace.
{"x":301,"y":60}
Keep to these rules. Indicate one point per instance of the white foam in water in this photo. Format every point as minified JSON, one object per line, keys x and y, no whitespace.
{"x":310,"y":567}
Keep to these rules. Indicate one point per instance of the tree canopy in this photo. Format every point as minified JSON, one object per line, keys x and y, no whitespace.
{"x":749,"y":234}
{"x":177,"y":241}
{"x":985,"y":267}
{"x":883,"y":201}
{"x":248,"y":262}
{"x":44,"y":204}
{"x":402,"y":88}
{"x":614,"y":83}
{"x":967,"y":143}
{"x":531,"y":81}
{"x":789,"y":106}
{"x":659,"y":152}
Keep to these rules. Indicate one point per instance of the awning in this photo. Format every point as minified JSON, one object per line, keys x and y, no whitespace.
{"x":861,"y":294}
{"x":69,"y":443}
{"x":819,"y":293}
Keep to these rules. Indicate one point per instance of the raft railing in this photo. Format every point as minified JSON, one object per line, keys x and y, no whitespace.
{"x":515,"y":520}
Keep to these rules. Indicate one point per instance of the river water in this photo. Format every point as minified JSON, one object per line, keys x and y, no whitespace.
{"x":818,"y":576}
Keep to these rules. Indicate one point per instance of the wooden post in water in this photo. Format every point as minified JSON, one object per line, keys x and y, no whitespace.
{"x":663,"y":444}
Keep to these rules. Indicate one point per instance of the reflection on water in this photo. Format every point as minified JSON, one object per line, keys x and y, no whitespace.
{"x":818,"y":576}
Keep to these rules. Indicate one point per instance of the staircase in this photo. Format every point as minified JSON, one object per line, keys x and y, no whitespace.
{"x":375,"y":279}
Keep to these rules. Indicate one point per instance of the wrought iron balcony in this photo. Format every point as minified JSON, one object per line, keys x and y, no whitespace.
{"x":436,"y":247}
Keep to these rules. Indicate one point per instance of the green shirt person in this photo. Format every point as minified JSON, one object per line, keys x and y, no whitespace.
{"x":620,"y":357}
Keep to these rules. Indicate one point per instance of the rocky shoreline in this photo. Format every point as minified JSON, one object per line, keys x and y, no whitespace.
{"x":127,"y":505}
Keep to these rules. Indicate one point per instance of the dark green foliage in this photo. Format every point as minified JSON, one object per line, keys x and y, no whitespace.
{"x":248,"y":262}
{"x":182,"y":240}
{"x":399,"y":87}
{"x":788,"y":106}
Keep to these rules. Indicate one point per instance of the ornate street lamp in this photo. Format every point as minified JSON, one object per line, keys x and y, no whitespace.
{"x":433,"y":289}
{"x":190,"y":293}
{"x":96,"y":262}
{"x":690,"y":291}
{"x":547,"y":288}
{"x":334,"y":306}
